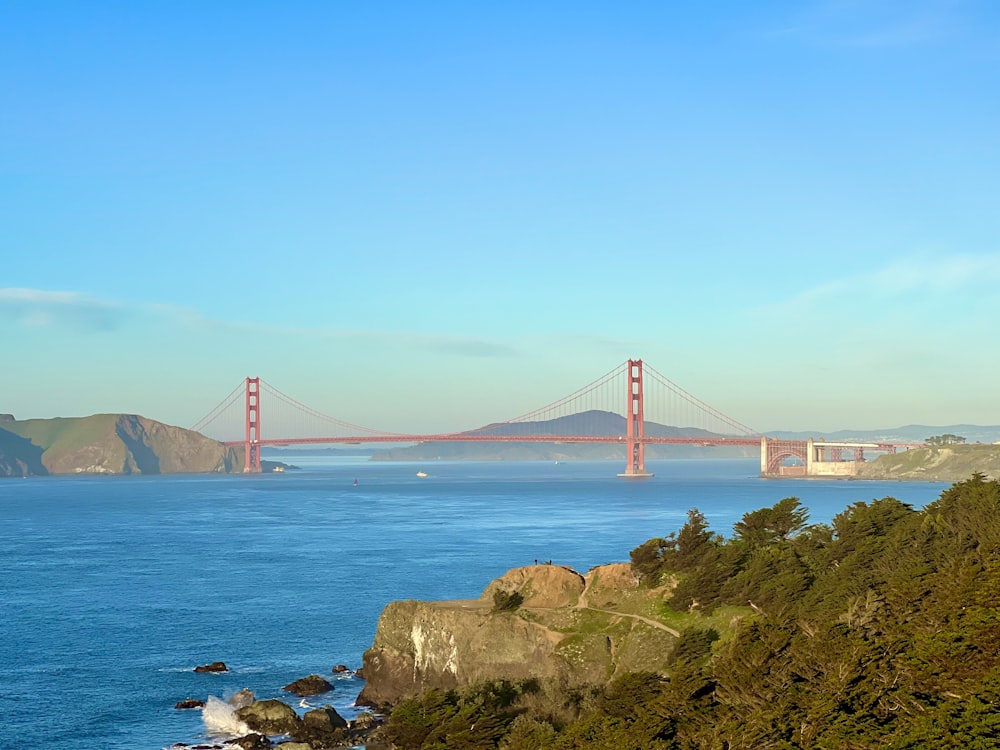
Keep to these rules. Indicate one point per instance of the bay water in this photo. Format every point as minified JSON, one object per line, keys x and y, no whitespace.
{"x":112,"y":589}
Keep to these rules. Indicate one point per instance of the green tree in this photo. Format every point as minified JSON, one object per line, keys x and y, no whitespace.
{"x":771,"y":525}
{"x":946,"y":439}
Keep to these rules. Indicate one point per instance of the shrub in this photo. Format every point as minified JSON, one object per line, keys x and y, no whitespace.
{"x":506,"y":601}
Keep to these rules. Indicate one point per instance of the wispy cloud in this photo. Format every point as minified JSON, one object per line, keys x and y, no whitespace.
{"x":38,"y":308}
{"x":80,"y":313}
{"x":923,"y":278}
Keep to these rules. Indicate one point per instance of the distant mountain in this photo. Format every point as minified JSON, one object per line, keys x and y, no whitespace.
{"x":587,"y":423}
{"x":593,"y":422}
{"x":312,"y":450}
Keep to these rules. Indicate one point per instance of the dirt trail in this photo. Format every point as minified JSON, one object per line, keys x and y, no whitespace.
{"x":581,"y":603}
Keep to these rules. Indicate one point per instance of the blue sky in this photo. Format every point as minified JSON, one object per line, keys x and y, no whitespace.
{"x":428,"y":216}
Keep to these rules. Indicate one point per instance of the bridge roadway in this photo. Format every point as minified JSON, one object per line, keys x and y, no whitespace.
{"x":465,"y":437}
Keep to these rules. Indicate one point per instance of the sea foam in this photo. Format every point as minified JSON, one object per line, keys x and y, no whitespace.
{"x":220,"y":719}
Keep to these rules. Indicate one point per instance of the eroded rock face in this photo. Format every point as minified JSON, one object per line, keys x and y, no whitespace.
{"x":420,"y":645}
{"x":556,"y":634}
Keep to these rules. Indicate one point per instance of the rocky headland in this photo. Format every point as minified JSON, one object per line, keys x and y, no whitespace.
{"x":541,"y":622}
{"x":110,"y":444}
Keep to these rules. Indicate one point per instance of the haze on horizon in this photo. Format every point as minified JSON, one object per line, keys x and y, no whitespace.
{"x":431,"y":216}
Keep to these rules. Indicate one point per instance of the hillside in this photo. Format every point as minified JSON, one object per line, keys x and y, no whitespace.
{"x":878,"y":630}
{"x":949,"y":463}
{"x":109,"y":444}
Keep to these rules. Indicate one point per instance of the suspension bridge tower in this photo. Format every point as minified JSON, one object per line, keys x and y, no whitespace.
{"x":635,"y":431}
{"x":251,"y":444}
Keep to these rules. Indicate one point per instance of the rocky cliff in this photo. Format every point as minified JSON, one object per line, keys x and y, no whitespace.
{"x":571,"y":628}
{"x":109,"y":444}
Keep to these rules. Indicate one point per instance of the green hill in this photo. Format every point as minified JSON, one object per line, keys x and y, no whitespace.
{"x":109,"y":444}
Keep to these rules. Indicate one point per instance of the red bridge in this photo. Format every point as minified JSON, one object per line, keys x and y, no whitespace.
{"x":632,"y":405}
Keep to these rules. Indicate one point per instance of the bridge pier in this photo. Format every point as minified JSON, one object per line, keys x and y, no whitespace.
{"x":635,"y":446}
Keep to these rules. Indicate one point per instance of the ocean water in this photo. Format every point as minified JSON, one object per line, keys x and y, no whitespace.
{"x":112,"y":589}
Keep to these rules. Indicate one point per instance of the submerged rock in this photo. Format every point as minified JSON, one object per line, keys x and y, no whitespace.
{"x":251,"y":742}
{"x":215,"y":666}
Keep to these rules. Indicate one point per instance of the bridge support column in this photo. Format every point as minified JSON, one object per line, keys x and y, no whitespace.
{"x":635,"y":445}
{"x":251,"y":445}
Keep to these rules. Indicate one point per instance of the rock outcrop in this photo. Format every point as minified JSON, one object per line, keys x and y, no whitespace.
{"x":311,"y":685}
{"x":569,"y":628}
{"x":270,"y":717}
{"x":215,"y":666}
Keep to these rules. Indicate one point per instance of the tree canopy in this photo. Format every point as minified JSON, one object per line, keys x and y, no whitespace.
{"x":877,"y":630}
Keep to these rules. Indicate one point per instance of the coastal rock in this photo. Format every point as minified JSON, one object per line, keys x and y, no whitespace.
{"x":251,"y":742}
{"x":189,"y":703}
{"x":322,"y":727}
{"x":324,"y":719}
{"x":311,"y":685}
{"x":340,"y":669}
{"x":364,"y":722}
{"x":556,"y":634}
{"x":270,"y":717}
{"x":215,"y":666}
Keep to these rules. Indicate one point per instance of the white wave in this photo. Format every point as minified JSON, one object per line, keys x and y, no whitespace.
{"x":220,"y":719}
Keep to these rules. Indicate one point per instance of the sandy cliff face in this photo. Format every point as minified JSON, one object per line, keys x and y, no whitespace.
{"x":556,"y":634}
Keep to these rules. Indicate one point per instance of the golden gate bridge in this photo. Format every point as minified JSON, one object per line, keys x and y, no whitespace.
{"x":632,"y":405}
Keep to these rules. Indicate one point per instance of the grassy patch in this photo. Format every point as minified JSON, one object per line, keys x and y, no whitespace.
{"x":65,"y":433}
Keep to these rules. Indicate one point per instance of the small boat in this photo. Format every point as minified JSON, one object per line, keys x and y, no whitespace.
{"x":421,"y":473}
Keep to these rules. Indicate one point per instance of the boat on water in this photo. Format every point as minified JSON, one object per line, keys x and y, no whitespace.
{"x":421,"y":473}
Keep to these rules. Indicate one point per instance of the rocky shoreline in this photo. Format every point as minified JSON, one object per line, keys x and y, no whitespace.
{"x":243,"y":721}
